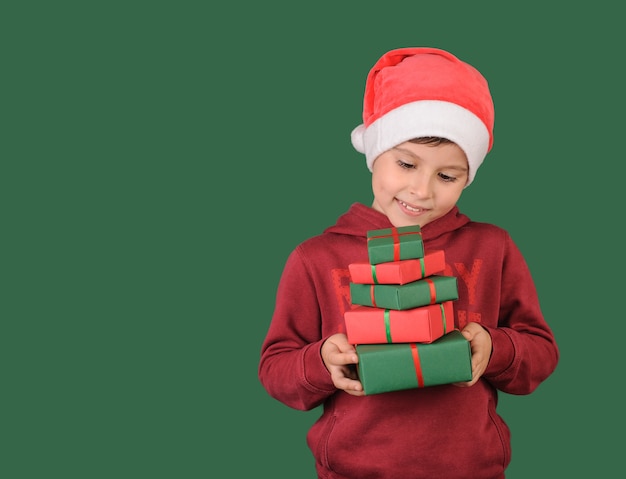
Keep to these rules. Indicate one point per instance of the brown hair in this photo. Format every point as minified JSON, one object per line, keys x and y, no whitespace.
{"x":431,"y":140}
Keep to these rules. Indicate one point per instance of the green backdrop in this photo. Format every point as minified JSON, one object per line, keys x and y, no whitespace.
{"x":161,"y":159}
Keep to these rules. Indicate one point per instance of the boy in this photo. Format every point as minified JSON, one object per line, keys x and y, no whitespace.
{"x":427,"y":126}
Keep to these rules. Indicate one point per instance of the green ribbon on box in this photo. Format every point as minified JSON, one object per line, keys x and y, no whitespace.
{"x":388,"y":326}
{"x":443,"y":318}
{"x":374,"y":274}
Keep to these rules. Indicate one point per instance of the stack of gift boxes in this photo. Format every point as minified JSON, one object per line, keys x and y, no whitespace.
{"x":402,"y":318}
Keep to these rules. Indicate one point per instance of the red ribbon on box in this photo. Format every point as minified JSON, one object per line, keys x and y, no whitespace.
{"x":418,"y":366}
{"x":433,"y":290}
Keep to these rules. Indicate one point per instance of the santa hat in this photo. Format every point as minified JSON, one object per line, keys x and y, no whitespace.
{"x":416,"y":92}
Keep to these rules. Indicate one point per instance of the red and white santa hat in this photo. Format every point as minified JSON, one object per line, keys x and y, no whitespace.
{"x":416,"y":92}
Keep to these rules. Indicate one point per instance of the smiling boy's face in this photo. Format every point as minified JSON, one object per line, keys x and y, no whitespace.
{"x":415,"y":184}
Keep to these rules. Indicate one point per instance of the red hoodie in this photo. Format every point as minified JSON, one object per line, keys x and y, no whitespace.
{"x":434,"y":432}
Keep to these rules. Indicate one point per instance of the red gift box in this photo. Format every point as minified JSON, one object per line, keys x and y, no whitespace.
{"x":367,"y":325}
{"x":398,"y":272}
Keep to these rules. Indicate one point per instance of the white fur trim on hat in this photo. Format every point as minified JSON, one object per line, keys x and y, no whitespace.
{"x":425,"y":118}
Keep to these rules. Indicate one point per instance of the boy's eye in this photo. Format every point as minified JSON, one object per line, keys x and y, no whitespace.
{"x":405,"y":165}
{"x":446,"y":178}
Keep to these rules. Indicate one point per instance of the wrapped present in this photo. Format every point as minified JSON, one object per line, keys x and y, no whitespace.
{"x":398,"y":272}
{"x":393,"y":367}
{"x":430,"y":290}
{"x":394,"y":244}
{"x":365,"y":324}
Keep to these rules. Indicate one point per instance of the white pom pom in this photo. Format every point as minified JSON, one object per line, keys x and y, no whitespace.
{"x":358,"y":140}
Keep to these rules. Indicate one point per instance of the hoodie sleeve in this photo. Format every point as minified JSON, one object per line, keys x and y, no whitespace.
{"x":291,"y":367}
{"x":524,"y":351}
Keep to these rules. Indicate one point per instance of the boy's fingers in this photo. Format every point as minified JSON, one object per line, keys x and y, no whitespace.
{"x":343,"y":359}
{"x":349,"y":385}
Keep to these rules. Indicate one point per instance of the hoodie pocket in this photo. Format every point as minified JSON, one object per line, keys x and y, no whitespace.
{"x":504,"y":433}
{"x":319,"y":436}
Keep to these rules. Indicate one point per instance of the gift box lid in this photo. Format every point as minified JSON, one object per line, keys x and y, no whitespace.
{"x":394,"y":244}
{"x":398,"y":272}
{"x":430,"y":290}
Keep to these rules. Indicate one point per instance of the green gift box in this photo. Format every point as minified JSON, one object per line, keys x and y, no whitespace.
{"x":394,"y":367}
{"x":394,"y":244}
{"x":431,"y":290}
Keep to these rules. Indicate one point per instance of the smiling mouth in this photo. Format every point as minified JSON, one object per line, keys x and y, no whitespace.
{"x":410,"y":208}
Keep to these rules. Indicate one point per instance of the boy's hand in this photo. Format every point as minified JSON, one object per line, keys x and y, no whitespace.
{"x":340,"y":359}
{"x":480,"y":345}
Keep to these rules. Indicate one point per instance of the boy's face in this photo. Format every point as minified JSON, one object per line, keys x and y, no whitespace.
{"x":415,"y":184}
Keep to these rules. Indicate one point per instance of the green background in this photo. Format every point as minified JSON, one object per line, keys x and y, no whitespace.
{"x":161,"y":159}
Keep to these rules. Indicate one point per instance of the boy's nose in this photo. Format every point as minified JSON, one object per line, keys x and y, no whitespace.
{"x":420,"y":186}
